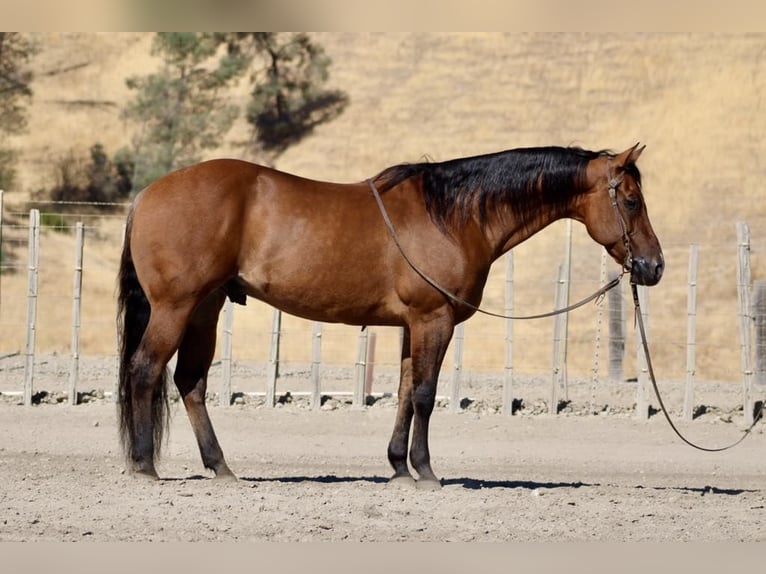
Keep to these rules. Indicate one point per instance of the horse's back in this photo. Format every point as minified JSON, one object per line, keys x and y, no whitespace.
{"x":296,"y":243}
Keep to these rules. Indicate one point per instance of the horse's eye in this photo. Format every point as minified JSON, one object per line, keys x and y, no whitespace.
{"x":633,"y":203}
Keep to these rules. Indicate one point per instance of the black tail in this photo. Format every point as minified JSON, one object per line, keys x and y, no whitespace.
{"x":133,"y":311}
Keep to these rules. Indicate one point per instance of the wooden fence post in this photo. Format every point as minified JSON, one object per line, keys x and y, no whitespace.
{"x":508,"y":367}
{"x":691,"y":334}
{"x":369,"y":374}
{"x":566,"y":286}
{"x":642,"y":392}
{"x":457,"y":370}
{"x":1,"y":247}
{"x":559,"y":342}
{"x":116,"y":385}
{"x":360,"y":372}
{"x":597,"y":345}
{"x":616,"y":331}
{"x":224,"y":398}
{"x":316,"y":360}
{"x":74,"y":370}
{"x":745,"y":320}
{"x":759,"y":311}
{"x":32,"y":272}
{"x":273,"y":374}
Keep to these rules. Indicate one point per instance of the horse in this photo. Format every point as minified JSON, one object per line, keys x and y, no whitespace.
{"x":323,"y":251}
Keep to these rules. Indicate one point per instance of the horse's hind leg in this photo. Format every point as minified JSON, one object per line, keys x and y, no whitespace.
{"x":147,"y":394}
{"x":194,"y":358}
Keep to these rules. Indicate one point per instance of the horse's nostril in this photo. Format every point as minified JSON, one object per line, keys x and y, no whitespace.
{"x":648,"y":272}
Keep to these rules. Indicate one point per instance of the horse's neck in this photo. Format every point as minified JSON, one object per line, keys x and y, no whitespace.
{"x":504,"y":230}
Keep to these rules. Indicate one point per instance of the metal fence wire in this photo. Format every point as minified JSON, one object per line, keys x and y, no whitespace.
{"x":57,"y":299}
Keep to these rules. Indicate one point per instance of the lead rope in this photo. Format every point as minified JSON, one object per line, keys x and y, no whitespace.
{"x":626,"y":266}
{"x":649,"y":367}
{"x":433,"y":283}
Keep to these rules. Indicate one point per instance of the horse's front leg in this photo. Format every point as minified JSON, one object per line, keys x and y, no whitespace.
{"x":430,"y":340}
{"x":400,"y":439}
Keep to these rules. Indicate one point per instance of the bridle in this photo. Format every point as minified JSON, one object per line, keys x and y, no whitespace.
{"x":614,"y":182}
{"x":627,"y":265}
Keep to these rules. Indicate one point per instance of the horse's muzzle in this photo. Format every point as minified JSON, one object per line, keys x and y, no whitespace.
{"x":647,"y":271}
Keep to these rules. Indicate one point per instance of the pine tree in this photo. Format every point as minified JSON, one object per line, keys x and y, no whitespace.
{"x":15,"y":52}
{"x":182,"y":109}
{"x":288,"y":98}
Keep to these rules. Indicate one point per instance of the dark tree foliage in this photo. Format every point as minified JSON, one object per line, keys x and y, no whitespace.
{"x":100,"y":180}
{"x":15,"y":94}
{"x":182,"y":109}
{"x":289,"y":98}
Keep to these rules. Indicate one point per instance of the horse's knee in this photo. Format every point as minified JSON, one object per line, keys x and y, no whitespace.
{"x":423,"y":399}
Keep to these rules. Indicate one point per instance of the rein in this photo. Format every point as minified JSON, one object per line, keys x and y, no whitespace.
{"x":664,"y":410}
{"x":436,"y":285}
{"x":614,"y":182}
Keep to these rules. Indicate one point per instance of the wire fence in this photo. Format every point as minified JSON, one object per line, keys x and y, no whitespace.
{"x":57,"y":299}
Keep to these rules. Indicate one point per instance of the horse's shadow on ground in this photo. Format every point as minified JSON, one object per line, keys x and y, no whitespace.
{"x":473,"y":483}
{"x":469,"y":483}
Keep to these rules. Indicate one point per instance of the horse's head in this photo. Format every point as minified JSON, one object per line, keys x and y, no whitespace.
{"x":614,"y":212}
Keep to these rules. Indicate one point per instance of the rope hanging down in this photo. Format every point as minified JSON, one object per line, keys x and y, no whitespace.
{"x":645,"y":346}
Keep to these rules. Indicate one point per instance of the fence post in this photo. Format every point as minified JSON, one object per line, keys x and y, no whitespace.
{"x":271,"y":384}
{"x":566,"y":279}
{"x":117,"y":357}
{"x":74,"y":370}
{"x":34,"y":258}
{"x":559,"y":337}
{"x":745,"y":321}
{"x":597,"y":344}
{"x":360,"y":372}
{"x":759,"y":310}
{"x":370,"y":367}
{"x":616,"y":331}
{"x":457,"y":368}
{"x":508,"y":367}
{"x":316,"y":359}
{"x":1,"y":247}
{"x":642,"y":392}
{"x":224,"y":398}
{"x":691,"y":334}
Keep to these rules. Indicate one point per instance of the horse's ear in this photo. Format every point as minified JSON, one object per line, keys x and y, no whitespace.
{"x":629,"y":156}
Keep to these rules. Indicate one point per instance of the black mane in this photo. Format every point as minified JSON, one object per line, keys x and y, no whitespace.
{"x":510,"y":177}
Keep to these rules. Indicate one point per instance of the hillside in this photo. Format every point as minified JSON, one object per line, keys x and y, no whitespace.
{"x":697,"y":101}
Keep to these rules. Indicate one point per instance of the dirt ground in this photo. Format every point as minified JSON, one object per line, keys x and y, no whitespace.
{"x":322,"y":475}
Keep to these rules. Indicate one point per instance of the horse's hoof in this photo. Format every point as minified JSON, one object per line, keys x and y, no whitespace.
{"x":227,"y":477}
{"x":401,"y":481}
{"x":146,"y":475}
{"x":430,"y":484}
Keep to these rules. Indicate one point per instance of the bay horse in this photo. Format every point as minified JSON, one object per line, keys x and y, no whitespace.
{"x":322,"y":251}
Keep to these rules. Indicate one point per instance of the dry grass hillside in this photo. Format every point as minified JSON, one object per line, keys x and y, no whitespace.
{"x":697,"y":101}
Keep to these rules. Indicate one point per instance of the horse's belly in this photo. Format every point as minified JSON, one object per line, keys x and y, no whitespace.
{"x":358,"y":302}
